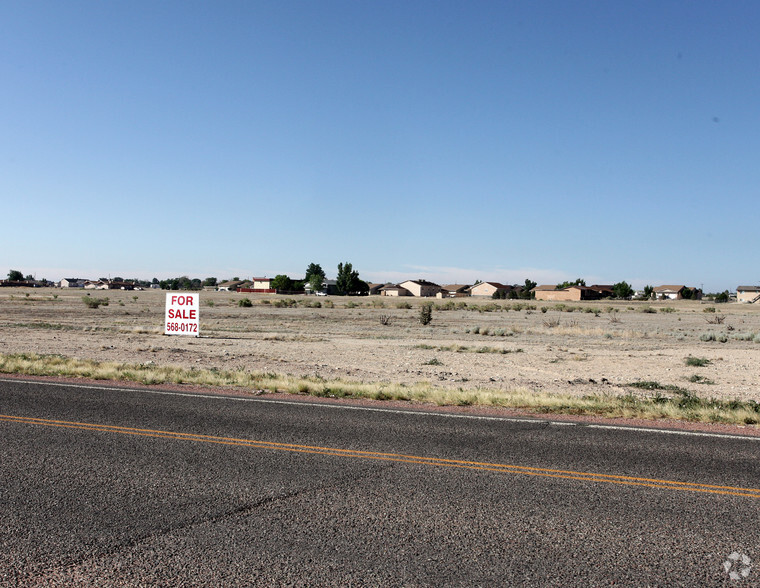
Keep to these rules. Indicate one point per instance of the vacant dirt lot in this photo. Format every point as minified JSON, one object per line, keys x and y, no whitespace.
{"x":598,"y":348}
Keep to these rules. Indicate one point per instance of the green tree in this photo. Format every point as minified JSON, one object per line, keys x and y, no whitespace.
{"x":347,"y":281}
{"x":526,"y":289}
{"x":314,"y":269}
{"x":209,"y":282}
{"x":282,"y":283}
{"x":687,"y":293}
{"x":578,"y":282}
{"x":722,"y":297}
{"x":15,"y":276}
{"x":622,"y":290}
{"x":648,"y":292}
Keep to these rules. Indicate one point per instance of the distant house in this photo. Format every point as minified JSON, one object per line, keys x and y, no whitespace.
{"x":229,"y":286}
{"x":262,"y":283}
{"x":676,"y":292}
{"x":421,"y":288}
{"x":454,"y":291}
{"x":489,"y":289}
{"x":572,"y":293}
{"x":72,"y":283}
{"x":749,"y":294}
{"x":374,"y":289}
{"x":95,"y":285}
{"x":394,"y":290}
{"x":604,"y":291}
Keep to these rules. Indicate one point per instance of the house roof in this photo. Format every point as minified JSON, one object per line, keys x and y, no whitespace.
{"x":544,"y":288}
{"x":421,"y":283}
{"x":669,"y":288}
{"x":748,"y":288}
{"x":262,"y":279}
{"x":455,"y":287}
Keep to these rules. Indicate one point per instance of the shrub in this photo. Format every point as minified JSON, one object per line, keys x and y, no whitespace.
{"x":245,"y":302}
{"x":385,"y":319}
{"x":404,"y":305}
{"x":426,"y":313}
{"x":94,"y":302}
{"x":697,"y":361}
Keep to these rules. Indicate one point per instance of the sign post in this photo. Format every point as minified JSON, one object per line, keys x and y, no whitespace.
{"x":182,"y":314}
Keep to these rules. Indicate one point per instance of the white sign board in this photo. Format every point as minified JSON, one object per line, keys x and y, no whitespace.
{"x":182,"y":314}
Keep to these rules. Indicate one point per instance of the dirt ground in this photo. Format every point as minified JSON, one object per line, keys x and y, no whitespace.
{"x":598,"y":348}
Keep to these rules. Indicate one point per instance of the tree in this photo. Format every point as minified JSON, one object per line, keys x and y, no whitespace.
{"x":722,"y":297}
{"x":648,"y":292}
{"x":622,"y":290}
{"x":687,"y":294}
{"x":315,"y":277}
{"x":209,"y":282}
{"x":347,"y":281}
{"x":578,"y":282}
{"x":314,"y":269}
{"x":526,"y":290}
{"x":282,"y":282}
{"x":15,"y":276}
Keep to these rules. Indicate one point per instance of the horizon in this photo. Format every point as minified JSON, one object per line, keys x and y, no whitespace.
{"x":441,"y":140}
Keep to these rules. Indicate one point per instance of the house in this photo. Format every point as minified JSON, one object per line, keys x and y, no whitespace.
{"x":394,"y":290}
{"x":605,"y":291}
{"x":572,"y":293}
{"x":749,"y":294}
{"x":262,"y":283}
{"x":421,"y":288}
{"x":489,"y":289}
{"x":229,"y":286}
{"x":454,"y":291}
{"x":374,"y":289}
{"x":676,"y":292}
{"x":95,"y":285}
{"x":72,"y":283}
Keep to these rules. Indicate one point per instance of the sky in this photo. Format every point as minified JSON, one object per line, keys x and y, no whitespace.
{"x":451,"y":141}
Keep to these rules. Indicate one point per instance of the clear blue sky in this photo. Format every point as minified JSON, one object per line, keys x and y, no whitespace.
{"x":452,"y":141}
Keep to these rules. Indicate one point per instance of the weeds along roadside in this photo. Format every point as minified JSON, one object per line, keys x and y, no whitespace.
{"x":647,"y":400}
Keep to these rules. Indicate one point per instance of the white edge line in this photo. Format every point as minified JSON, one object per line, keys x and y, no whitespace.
{"x":535,"y":421}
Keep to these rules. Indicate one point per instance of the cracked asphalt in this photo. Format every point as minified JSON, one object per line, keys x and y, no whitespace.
{"x":134,"y":487}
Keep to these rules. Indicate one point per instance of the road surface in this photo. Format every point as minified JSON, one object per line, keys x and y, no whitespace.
{"x":101,"y":486}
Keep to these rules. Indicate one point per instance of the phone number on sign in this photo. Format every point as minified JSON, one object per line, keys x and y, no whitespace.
{"x":182,"y":327}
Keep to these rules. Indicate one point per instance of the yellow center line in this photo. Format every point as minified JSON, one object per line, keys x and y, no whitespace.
{"x":397,"y":457}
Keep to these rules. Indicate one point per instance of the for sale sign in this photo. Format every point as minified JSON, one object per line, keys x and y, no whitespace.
{"x":182,"y":314}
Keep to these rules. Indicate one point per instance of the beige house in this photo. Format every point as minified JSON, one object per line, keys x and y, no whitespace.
{"x":262,"y":283}
{"x":394,"y":290}
{"x":421,"y":288}
{"x":573,"y":293}
{"x":488,"y":289}
{"x":749,"y":294}
{"x":453,"y":291}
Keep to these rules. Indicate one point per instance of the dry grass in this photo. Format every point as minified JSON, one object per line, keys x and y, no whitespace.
{"x":685,"y":406}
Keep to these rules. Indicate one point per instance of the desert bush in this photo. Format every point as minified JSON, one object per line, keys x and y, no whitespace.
{"x":385,"y":319}
{"x":329,"y":304}
{"x":434,"y":361}
{"x":403,"y":305}
{"x":551,"y":323}
{"x":378,"y":304}
{"x":426,"y":313}
{"x":667,"y":309}
{"x":648,"y":310}
{"x":245,"y":302}
{"x":716,"y":320}
{"x":91,"y":302}
{"x":712,"y":336}
{"x":697,"y":361}
{"x":709,"y":309}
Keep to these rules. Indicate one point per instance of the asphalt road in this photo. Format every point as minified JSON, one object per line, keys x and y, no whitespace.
{"x":114,"y":487}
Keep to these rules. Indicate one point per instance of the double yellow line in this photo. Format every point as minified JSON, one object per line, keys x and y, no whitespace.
{"x":397,"y":457}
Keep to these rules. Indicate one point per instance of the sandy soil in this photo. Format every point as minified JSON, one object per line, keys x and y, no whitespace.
{"x":586,"y":352}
